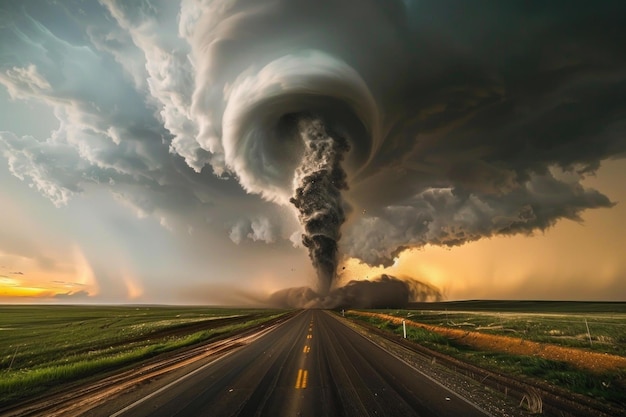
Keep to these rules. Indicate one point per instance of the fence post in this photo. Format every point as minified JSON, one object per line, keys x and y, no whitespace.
{"x":404,"y":328}
{"x":588,"y":332}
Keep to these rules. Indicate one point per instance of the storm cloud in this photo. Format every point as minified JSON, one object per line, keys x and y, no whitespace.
{"x":464,"y":120}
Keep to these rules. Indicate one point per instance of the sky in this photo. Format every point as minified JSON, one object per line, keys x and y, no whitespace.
{"x":219,"y":151}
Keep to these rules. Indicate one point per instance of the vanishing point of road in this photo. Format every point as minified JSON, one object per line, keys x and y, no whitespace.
{"x":312,"y":365}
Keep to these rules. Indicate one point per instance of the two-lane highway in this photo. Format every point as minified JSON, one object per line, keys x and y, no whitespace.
{"x":312,"y":365}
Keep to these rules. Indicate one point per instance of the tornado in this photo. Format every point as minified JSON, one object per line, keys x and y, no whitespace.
{"x":318,"y":183}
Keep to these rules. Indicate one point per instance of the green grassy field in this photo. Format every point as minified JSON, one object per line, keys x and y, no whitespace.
{"x":42,"y":346}
{"x":603,"y":332}
{"x":606,"y":328}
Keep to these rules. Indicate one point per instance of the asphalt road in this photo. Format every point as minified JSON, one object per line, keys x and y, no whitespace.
{"x":313,"y":365}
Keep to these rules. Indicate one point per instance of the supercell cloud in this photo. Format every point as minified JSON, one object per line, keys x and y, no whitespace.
{"x":444,"y":122}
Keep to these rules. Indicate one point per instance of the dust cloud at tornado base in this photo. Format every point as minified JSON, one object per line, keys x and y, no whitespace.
{"x":385,"y":291}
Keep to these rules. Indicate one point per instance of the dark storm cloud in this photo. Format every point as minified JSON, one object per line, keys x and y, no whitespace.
{"x":464,"y":119}
{"x":510,"y":108}
{"x":385,"y":291}
{"x":486,"y":116}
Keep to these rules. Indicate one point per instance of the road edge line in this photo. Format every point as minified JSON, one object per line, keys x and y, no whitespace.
{"x":195,"y":371}
{"x":476,"y":406}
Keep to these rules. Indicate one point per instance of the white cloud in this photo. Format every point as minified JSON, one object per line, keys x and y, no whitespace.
{"x":51,"y":169}
{"x":24,"y":82}
{"x":170,"y":80}
{"x":259,"y":229}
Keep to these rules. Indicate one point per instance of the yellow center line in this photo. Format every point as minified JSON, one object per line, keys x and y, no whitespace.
{"x":299,"y":379}
{"x":305,"y":377}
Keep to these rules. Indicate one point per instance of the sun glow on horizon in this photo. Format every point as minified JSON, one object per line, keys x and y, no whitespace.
{"x":26,"y":289}
{"x":15,"y":288}
{"x":30,"y":281}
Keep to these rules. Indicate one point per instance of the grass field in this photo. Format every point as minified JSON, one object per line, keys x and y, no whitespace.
{"x":42,"y":346}
{"x":603,"y":332}
{"x":607,"y":334}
